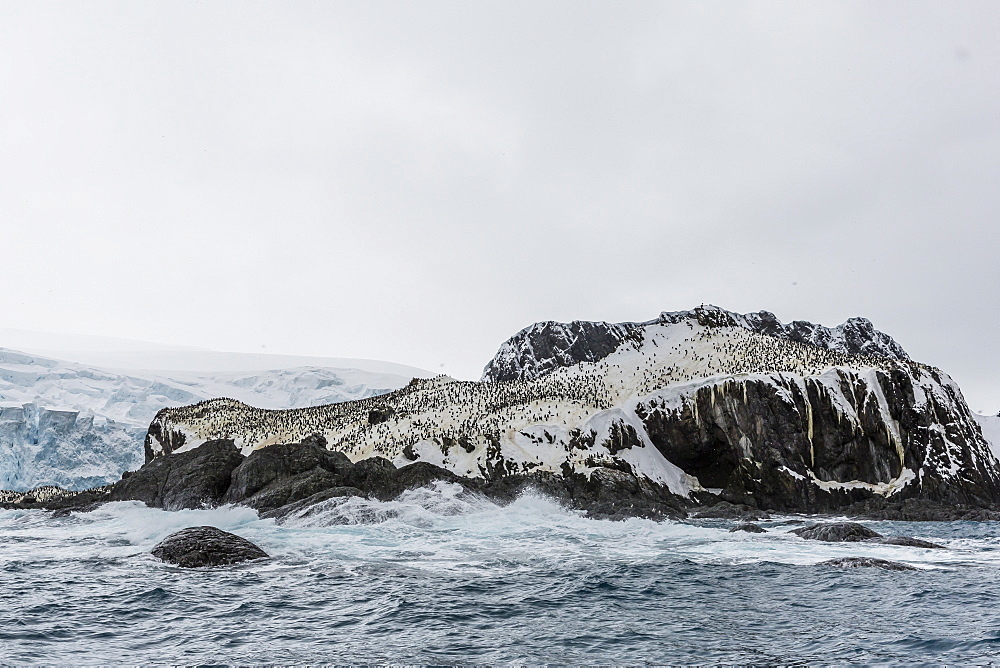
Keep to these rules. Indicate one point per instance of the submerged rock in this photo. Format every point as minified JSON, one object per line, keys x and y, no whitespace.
{"x":920,"y":510}
{"x":836,"y":532}
{"x":731,"y":511}
{"x":906,"y":541}
{"x":206,"y":546}
{"x":279,"y":514}
{"x":852,"y":532}
{"x":607,"y":494}
{"x":282,"y":479}
{"x":867,"y":562}
{"x":749,"y":527}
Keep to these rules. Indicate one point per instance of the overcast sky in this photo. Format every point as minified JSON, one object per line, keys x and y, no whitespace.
{"x":417,"y":181}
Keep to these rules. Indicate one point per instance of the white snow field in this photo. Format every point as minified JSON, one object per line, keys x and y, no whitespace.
{"x":990,"y":425}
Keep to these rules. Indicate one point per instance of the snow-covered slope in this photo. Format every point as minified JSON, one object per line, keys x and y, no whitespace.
{"x":76,"y":425}
{"x":692,"y":401}
{"x":990,"y":424}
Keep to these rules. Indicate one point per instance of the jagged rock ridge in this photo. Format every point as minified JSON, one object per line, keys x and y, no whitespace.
{"x":545,"y":346}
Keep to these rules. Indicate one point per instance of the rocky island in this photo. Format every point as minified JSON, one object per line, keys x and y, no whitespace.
{"x":692,"y":410}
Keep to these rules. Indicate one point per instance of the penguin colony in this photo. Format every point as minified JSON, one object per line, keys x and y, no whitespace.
{"x":42,"y":494}
{"x":478,"y":416}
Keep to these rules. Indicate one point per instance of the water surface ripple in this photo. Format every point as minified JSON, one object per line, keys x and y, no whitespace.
{"x":436,"y":579}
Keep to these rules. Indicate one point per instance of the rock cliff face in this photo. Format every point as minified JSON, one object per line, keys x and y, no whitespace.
{"x":545,"y":346}
{"x":192,"y":479}
{"x":704,"y":404}
{"x":823,"y":443}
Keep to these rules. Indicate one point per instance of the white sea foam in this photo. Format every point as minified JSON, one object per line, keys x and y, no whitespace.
{"x":438,"y":528}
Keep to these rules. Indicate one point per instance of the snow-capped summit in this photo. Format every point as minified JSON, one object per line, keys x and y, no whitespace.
{"x":545,"y":346}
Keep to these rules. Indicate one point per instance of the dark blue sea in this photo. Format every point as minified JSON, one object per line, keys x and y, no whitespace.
{"x":436,"y":579}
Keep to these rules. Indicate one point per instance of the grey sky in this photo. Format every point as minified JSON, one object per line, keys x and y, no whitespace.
{"x":417,"y":181}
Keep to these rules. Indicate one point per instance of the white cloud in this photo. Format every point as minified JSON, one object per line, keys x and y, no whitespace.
{"x":416,"y":182}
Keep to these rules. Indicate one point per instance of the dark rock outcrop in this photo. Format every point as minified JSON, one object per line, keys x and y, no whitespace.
{"x":284,"y":473}
{"x":286,"y":478}
{"x":192,"y":479}
{"x":378,"y":477}
{"x":867,"y":562}
{"x":422,"y":474}
{"x":857,"y":336}
{"x":837,"y":532}
{"x":380,"y":414}
{"x":608,"y":494}
{"x":772,"y":443}
{"x":748,"y":527}
{"x":731,"y":511}
{"x":546,"y":346}
{"x":906,"y":541}
{"x":852,"y":532}
{"x":919,"y":510}
{"x":202,"y":546}
{"x":281,"y":512}
{"x":296,"y":476}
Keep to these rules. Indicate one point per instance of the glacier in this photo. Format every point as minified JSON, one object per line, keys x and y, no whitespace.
{"x":77,"y":426}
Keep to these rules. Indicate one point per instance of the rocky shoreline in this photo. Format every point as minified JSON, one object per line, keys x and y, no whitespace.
{"x":285,"y":479}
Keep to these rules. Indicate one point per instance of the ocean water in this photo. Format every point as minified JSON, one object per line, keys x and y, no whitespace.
{"x":436,"y":579}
